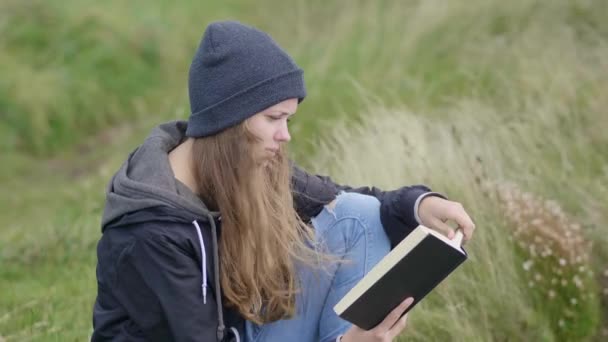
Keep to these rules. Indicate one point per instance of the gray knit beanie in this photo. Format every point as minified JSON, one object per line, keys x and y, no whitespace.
{"x":237,"y":72}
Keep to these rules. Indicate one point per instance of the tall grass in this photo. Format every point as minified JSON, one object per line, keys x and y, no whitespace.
{"x":73,"y":67}
{"x":490,"y":298}
{"x":527,"y":108}
{"x":449,"y":93}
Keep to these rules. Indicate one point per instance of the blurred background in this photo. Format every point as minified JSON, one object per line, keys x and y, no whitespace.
{"x":501,"y":105}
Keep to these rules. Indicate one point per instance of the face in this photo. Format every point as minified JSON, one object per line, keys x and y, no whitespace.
{"x":270,"y":127}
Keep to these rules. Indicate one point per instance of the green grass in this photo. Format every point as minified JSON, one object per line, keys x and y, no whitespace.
{"x":448,"y":93}
{"x":489,"y":299}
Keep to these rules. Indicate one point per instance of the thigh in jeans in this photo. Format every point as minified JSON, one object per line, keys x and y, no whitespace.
{"x":349,"y":229}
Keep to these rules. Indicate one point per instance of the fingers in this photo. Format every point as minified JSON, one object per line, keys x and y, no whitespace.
{"x":435,"y":212}
{"x":456,"y":213}
{"x":464,"y":221}
{"x":394,"y":316}
{"x":398,"y":327}
{"x":443,"y":228}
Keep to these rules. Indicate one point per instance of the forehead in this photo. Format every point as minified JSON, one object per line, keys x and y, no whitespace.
{"x":288,"y":106}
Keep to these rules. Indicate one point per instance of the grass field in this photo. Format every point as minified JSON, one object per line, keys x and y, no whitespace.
{"x":499,"y":105}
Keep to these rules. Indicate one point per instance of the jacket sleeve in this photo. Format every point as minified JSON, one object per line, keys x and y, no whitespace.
{"x":159,"y":284}
{"x":398,"y":208}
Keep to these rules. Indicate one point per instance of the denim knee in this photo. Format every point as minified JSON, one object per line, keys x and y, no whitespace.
{"x":354,"y":205}
{"x":352,"y":228}
{"x":355,"y":208}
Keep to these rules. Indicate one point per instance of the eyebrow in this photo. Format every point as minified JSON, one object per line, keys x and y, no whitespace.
{"x":282,"y":113}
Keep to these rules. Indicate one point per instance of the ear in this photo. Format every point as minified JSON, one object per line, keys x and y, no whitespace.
{"x":246,"y":124}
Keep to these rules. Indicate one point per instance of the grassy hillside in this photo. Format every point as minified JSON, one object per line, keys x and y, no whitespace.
{"x":500,"y":105}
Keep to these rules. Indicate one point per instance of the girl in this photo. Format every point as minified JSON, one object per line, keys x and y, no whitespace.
{"x":211,"y":234}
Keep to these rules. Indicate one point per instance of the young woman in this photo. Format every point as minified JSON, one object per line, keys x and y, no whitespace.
{"x":211,"y":234}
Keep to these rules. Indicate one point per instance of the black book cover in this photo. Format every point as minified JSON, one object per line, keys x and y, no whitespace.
{"x":415,"y":275}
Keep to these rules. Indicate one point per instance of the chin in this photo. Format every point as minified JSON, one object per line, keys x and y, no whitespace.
{"x":264,"y":162}
{"x":268,"y":162}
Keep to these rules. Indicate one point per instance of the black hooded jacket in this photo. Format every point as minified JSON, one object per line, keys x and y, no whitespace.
{"x":157,"y":270}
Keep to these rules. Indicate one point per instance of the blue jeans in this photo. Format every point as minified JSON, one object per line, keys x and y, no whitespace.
{"x":351,"y":230}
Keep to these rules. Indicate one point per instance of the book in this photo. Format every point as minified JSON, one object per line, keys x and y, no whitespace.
{"x":413,"y":268}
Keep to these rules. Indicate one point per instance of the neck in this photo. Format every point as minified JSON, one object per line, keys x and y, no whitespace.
{"x":180,"y":159}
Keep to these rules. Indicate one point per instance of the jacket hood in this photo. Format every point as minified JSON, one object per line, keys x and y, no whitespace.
{"x":146,"y":183}
{"x":145,"y":189}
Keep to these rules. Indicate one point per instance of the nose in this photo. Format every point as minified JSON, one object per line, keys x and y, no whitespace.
{"x":282,"y":135}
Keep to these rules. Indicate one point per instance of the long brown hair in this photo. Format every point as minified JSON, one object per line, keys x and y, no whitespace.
{"x":262,"y":237}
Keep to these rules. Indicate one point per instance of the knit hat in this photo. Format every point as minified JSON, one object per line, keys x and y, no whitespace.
{"x":238,"y":71}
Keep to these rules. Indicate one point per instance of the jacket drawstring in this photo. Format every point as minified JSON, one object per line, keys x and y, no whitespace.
{"x":236,"y":334}
{"x":204,"y":260}
{"x":216,"y":271}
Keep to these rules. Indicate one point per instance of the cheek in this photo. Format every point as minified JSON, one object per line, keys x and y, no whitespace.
{"x":265,"y":133}
{"x":265,"y":130}
{"x":268,"y":133}
{"x":257,"y":128}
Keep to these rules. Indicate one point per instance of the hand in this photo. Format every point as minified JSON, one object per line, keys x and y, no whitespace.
{"x":386,"y":331}
{"x":435,"y":211}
